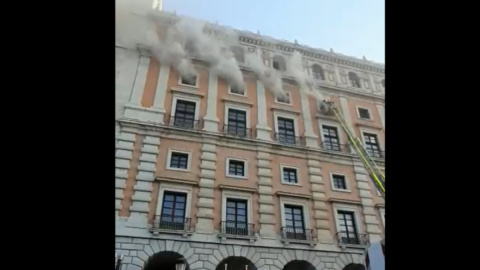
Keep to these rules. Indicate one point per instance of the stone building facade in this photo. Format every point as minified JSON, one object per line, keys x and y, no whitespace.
{"x":219,"y":176}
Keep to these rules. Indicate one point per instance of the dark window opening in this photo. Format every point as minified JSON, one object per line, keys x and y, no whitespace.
{"x":237,"y":221}
{"x":286,"y":131}
{"x":371,"y":145}
{"x":189,"y":81}
{"x":285,"y":98}
{"x":318,"y":73}
{"x":173,"y":211}
{"x":330,"y":138}
{"x":279,"y":63}
{"x":354,"y":79}
{"x":184,"y":114}
{"x":236,"y":167}
{"x":348,"y":228}
{"x":364,"y":113}
{"x":179,"y":160}
{"x":339,"y":182}
{"x":237,"y":90}
{"x":290,"y":175}
{"x":237,"y":122}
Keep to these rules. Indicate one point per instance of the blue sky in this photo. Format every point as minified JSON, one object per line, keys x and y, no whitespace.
{"x":350,"y":27}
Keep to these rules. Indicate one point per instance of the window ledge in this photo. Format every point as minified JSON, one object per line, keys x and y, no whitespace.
{"x":178,"y":170}
{"x":236,"y":177}
{"x":193,"y":92}
{"x":288,"y":194}
{"x":287,"y":241}
{"x":287,"y":110}
{"x":291,"y":184}
{"x":175,"y":180}
{"x":241,"y":102}
{"x":245,"y":189}
{"x":341,"y":190}
{"x":369,"y":125}
{"x":338,"y":200}
{"x":344,"y":246}
{"x":178,"y":232}
{"x":231,"y":236}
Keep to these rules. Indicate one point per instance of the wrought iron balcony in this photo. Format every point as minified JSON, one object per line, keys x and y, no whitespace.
{"x":171,"y":223}
{"x":336,"y":147}
{"x":233,"y":228}
{"x":295,"y":234}
{"x":236,"y":131}
{"x":289,"y":139}
{"x":349,"y":238}
{"x":182,"y":122}
{"x":376,"y":153}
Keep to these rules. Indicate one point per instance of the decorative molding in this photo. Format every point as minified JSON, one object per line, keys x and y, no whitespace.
{"x":244,"y":189}
{"x":241,"y":102}
{"x":175,"y":180}
{"x":295,"y":195}
{"x":196,"y":93}
{"x":284,"y":110}
{"x":346,"y":201}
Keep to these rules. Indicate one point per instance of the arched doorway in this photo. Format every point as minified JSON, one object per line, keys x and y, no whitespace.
{"x":236,"y":263}
{"x":354,"y":266}
{"x":299,"y":265}
{"x":165,"y":260}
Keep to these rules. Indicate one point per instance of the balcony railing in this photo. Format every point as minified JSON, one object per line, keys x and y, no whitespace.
{"x":295,"y":233}
{"x":171,"y":223}
{"x":237,"y":228}
{"x":349,"y":238}
{"x":289,"y":139}
{"x":182,"y":122}
{"x":236,"y":131}
{"x":376,"y":153}
{"x":336,"y":147}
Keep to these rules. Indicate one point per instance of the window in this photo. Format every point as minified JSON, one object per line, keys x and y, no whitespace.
{"x":354,"y":79}
{"x":236,"y":90}
{"x":289,"y":175}
{"x":339,"y":182}
{"x":238,"y":54}
{"x":192,"y":81}
{"x":184,"y":114}
{"x":371,"y":145}
{"x":236,"y":168}
{"x":283,"y":99}
{"x":294,"y":222}
{"x":347,"y":226}
{"x":172,"y":215}
{"x":363,"y":113}
{"x":286,"y":131}
{"x":237,"y":122}
{"x":317,"y":71}
{"x":279,"y":63}
{"x":237,"y":221}
{"x":179,"y":160}
{"x":330,"y":138}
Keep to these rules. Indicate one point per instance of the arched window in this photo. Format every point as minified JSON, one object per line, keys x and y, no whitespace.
{"x":317,"y":71}
{"x":279,"y":63}
{"x":238,"y":54}
{"x":354,"y":79}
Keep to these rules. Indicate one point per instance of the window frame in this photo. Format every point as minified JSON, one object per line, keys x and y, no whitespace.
{"x":197,"y":77}
{"x":237,"y":195}
{"x":168,"y":187}
{"x":369,"y":113}
{"x":177,"y":97}
{"x":295,"y":202}
{"x":282,"y":166}
{"x":347,"y":184}
{"x":376,"y":133}
{"x":289,"y":94}
{"x":169,"y":158}
{"x":245,"y":168}
{"x":347,"y":208}
{"x":229,"y":106}
{"x":236,"y":94}
{"x":328,"y":124}
{"x":287,"y":116}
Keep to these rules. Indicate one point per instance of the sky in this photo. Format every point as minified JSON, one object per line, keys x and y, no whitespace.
{"x":351,"y":27}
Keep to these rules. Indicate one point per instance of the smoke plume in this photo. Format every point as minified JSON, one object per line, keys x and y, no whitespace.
{"x":305,"y":82}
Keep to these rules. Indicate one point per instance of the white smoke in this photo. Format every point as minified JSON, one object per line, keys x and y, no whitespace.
{"x":305,"y":81}
{"x":270,"y":77}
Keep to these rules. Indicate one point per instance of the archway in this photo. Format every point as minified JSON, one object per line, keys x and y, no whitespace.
{"x":354,"y":266}
{"x":165,"y":260}
{"x":299,"y":265}
{"x":236,"y":263}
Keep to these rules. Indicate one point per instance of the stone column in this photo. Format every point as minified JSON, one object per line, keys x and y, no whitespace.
{"x":123,"y":157}
{"x":263,"y":130}
{"x":143,"y":188}
{"x":319,"y":201}
{"x":310,"y":136}
{"x":267,"y":216}
{"x":381,"y":113}
{"x":208,"y":161}
{"x":346,"y":115}
{"x":211,"y":119}
{"x":371,"y":223}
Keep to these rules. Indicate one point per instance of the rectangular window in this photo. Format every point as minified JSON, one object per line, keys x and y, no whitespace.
{"x":236,"y":168}
{"x":237,"y":90}
{"x":363,"y":113}
{"x":371,"y":145}
{"x":237,"y":122}
{"x":237,"y":221}
{"x":348,"y":229}
{"x":184,"y":114}
{"x":295,"y":225}
{"x":189,"y":81}
{"x":339,"y":182}
{"x":284,"y":99}
{"x":179,"y":160}
{"x":173,"y":211}
{"x":286,"y":131}
{"x":290,"y":175}
{"x":330,"y":138}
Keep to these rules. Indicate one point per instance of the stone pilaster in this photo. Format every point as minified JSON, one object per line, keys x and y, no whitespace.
{"x":381,"y":113}
{"x":144,"y":180}
{"x":310,"y":136}
{"x":262,"y":128}
{"x":208,"y":161}
{"x":319,"y":202}
{"x":371,"y":222}
{"x":211,"y":120}
{"x":266,"y":211}
{"x":123,"y":157}
{"x":346,"y":116}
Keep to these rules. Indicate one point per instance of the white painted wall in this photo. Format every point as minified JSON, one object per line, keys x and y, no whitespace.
{"x":126,"y":64}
